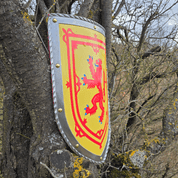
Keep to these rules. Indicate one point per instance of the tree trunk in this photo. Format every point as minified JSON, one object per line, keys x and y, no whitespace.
{"x":169,"y":122}
{"x":32,"y":144}
{"x":107,"y":24}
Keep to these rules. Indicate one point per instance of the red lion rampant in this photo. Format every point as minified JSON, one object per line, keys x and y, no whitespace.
{"x":96,"y":81}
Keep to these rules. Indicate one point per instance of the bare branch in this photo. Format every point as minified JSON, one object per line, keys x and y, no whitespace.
{"x":116,"y":5}
{"x":44,"y":11}
{"x":57,"y":7}
{"x":121,"y":36}
{"x":151,"y":51}
{"x":149,"y":98}
{"x":169,"y":7}
{"x":120,"y":27}
{"x":159,"y":97}
{"x":144,"y":30}
{"x":116,"y":55}
{"x":85,"y":8}
{"x":70,"y":5}
{"x":119,"y":8}
{"x":126,"y":34}
{"x":42,"y":41}
{"x":51,"y":172}
{"x":36,"y":12}
{"x":65,"y":7}
{"x":27,"y":4}
{"x":148,"y":77}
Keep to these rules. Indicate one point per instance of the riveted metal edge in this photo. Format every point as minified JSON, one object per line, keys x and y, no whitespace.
{"x":78,"y":17}
{"x":54,"y":89}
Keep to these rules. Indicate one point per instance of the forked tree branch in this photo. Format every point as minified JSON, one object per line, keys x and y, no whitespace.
{"x":145,"y":26}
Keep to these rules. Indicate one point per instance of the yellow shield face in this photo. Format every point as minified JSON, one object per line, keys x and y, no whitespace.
{"x":84,"y":87}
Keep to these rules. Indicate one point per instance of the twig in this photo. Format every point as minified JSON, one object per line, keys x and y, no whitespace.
{"x":65,"y":170}
{"x":60,"y":176}
{"x":23,"y":136}
{"x":149,"y":98}
{"x":42,"y":41}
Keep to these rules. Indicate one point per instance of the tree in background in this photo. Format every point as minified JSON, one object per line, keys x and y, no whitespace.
{"x":142,"y":83}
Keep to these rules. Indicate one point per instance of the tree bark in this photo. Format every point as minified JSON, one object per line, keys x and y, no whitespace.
{"x":169,"y":122}
{"x":107,"y":24}
{"x":31,"y":136}
{"x":7,"y":160}
{"x":95,"y":13}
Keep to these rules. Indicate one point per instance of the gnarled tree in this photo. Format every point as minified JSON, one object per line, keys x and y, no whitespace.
{"x":32,"y":144}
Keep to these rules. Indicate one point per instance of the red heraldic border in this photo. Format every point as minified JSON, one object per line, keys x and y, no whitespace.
{"x":100,"y":134}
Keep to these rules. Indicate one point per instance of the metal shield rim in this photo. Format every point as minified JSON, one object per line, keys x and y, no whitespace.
{"x":65,"y":19}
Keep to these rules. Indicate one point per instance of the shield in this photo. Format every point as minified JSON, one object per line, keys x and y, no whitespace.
{"x":79,"y":82}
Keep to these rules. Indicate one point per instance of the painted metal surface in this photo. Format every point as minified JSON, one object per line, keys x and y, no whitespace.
{"x":79,"y":82}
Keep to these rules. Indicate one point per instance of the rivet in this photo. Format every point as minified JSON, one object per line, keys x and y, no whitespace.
{"x":101,"y":158}
{"x":94,"y":27}
{"x":77,"y":145}
{"x":60,"y":110}
{"x":57,"y":65}
{"x":54,"y":20}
